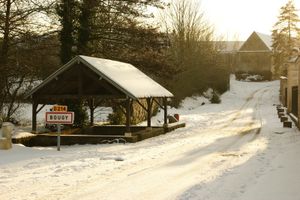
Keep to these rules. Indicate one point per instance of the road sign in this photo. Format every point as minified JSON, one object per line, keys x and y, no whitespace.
{"x":59,"y":108}
{"x":59,"y":117}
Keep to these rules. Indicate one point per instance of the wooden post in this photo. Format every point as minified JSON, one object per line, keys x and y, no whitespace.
{"x":80,"y":84}
{"x":149,"y":111}
{"x":92,"y":109}
{"x":58,"y":136}
{"x":34,"y":107}
{"x":128,"y":115}
{"x":165,"y":111}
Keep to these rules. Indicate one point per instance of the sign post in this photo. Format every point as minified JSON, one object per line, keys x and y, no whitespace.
{"x":59,"y":117}
{"x":58,"y":137}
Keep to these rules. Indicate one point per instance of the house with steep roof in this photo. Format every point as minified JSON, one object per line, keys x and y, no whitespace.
{"x":255,"y":56}
{"x":289,"y":87}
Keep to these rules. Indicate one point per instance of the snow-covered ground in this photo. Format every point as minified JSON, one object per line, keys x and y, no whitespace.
{"x":234,"y":150}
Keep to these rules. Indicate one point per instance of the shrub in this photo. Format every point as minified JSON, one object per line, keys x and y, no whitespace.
{"x":117,"y":117}
{"x":215,"y":98}
{"x":264,"y":75}
{"x":80,"y":112}
{"x":138,"y":114}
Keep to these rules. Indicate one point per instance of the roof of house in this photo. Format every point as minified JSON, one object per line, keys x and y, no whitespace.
{"x":252,"y":44}
{"x":267,"y":39}
{"x":125,"y":77}
{"x":229,"y":46}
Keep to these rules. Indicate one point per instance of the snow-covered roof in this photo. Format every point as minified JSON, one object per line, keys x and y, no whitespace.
{"x":293,"y":59}
{"x":229,"y":46}
{"x":267,"y":39}
{"x":125,"y":77}
{"x":283,"y":77}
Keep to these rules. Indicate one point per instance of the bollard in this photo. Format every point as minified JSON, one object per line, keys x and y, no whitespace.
{"x":280,"y":114}
{"x":280,"y":110}
{"x":7,"y":129}
{"x":283,"y":119}
{"x":176,"y":116}
{"x":287,"y":124}
{"x":5,"y":141}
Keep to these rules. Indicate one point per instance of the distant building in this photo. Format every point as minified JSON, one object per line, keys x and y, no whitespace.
{"x":255,"y":56}
{"x":292,"y":85}
{"x":289,"y":90}
{"x":227,"y":53}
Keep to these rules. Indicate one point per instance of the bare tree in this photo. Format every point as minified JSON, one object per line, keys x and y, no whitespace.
{"x":20,"y":20}
{"x":189,"y":33}
{"x":193,"y":49}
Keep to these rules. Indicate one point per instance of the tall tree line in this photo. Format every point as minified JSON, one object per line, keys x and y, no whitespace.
{"x":115,"y":29}
{"x":20,"y":40}
{"x":285,"y":35}
{"x":106,"y":28}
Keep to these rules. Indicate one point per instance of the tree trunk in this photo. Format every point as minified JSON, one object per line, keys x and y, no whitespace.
{"x":5,"y":42}
{"x":4,"y":55}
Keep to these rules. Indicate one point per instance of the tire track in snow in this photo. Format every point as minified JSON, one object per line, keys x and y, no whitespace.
{"x":211,"y":157}
{"x":246,"y":104}
{"x":247,"y":131}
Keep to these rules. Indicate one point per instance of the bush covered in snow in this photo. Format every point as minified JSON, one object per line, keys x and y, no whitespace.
{"x":215,"y":98}
{"x":253,"y":76}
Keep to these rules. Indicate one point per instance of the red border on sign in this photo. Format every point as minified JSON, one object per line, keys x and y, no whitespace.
{"x":59,"y":122}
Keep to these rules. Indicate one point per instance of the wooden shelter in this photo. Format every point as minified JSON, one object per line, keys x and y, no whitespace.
{"x":255,"y":55}
{"x":93,"y":80}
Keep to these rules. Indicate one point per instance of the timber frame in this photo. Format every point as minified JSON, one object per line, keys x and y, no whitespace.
{"x":80,"y":80}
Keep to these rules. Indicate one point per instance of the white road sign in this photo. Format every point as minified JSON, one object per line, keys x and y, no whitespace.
{"x":59,"y":117}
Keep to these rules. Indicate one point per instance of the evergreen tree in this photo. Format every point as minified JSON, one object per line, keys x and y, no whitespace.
{"x":284,"y":34}
{"x":67,"y":11}
{"x":117,"y":30}
{"x":87,"y":11}
{"x":279,"y":53}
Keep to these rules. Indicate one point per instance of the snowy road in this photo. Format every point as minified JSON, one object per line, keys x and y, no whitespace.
{"x":234,"y":150}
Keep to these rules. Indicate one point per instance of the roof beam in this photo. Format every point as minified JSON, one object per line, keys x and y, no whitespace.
{"x":102,"y":82}
{"x":75,"y":96}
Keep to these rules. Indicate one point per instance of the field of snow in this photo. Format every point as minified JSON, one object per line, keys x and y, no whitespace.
{"x":25,"y":113}
{"x":236,"y":150}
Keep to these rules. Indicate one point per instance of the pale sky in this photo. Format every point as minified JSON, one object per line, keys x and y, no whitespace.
{"x":242,"y":17}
